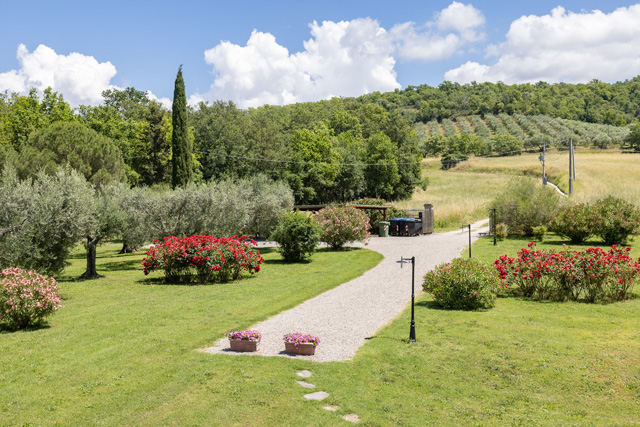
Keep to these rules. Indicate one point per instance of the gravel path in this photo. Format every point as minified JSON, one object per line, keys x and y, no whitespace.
{"x":346,"y":316}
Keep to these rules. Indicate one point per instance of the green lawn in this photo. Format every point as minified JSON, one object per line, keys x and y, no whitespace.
{"x":122,"y":352}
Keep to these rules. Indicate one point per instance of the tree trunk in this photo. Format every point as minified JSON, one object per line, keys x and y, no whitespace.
{"x":91,"y":272}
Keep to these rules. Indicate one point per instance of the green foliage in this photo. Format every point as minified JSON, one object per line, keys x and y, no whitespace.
{"x":463,"y":284}
{"x":633,"y":139}
{"x":539,"y":232}
{"x":182,"y":160}
{"x":298,"y":235}
{"x":20,"y":116}
{"x":42,"y":220}
{"x":574,"y":222}
{"x":342,"y":224}
{"x":218,"y":208}
{"x":524,"y":205}
{"x":71,"y":143}
{"x":615,"y":220}
{"x":502,"y":231}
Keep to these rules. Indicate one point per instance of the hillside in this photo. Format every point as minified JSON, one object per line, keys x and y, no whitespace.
{"x":462,"y":194}
{"x":531,"y":130}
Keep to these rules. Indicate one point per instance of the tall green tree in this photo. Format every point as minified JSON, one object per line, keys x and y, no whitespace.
{"x":181,"y":158}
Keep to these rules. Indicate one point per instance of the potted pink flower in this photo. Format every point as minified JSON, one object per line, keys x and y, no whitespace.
{"x":246,"y":340}
{"x":297,"y":343}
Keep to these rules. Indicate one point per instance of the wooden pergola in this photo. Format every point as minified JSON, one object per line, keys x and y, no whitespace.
{"x":315,"y":208}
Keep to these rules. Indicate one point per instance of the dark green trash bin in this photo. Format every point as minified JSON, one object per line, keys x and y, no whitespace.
{"x":384,"y":228}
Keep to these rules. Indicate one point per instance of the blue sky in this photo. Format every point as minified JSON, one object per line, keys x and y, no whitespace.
{"x":259,"y":52}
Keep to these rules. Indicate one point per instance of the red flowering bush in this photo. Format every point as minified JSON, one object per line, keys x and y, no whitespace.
{"x":208,"y":258}
{"x":591,"y":275}
{"x":26,"y":297}
{"x":574,"y":222}
{"x":616,"y":220}
{"x":611,"y":219}
{"x":463,"y":284}
{"x":342,"y":224}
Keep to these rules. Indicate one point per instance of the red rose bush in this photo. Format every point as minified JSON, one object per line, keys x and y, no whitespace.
{"x":203,"y":258}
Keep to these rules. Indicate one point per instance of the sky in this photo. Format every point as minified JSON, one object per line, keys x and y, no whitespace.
{"x":281,"y":52}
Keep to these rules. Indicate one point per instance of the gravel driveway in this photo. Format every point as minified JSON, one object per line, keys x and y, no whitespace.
{"x":346,"y":316}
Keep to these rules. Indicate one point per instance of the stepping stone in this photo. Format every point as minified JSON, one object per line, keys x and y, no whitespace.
{"x":318,"y":395}
{"x":330,"y":408}
{"x":352,"y":418}
{"x":304,"y":374}
{"x":306,"y":385}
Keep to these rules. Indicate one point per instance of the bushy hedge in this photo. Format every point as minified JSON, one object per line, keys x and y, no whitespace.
{"x":610,"y":218}
{"x":525,"y":204}
{"x":26,"y":298}
{"x":591,"y":275}
{"x":574,"y":222}
{"x":342,"y":224}
{"x":298,"y":235}
{"x":203,"y":258}
{"x":463,"y":284}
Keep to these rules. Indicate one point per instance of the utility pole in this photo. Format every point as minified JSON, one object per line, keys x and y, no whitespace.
{"x":573,"y":156}
{"x":542,"y":159}
{"x":571,"y":169}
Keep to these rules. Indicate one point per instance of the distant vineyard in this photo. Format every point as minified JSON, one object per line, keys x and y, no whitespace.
{"x":531,"y":130}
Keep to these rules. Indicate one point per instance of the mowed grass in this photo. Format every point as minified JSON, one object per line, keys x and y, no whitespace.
{"x":462,"y":194}
{"x":122,"y":351}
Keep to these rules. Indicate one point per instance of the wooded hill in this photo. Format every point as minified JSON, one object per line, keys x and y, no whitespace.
{"x":328,"y":151}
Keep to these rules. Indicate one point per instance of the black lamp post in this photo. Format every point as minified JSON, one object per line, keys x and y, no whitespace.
{"x":495,"y":242}
{"x":412,"y":330}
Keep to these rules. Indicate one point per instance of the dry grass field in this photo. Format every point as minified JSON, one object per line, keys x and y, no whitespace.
{"x":462,"y":194}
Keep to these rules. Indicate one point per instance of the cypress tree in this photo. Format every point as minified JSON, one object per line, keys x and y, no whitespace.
{"x":180,"y":144}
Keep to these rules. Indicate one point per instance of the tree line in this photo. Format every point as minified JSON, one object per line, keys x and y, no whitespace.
{"x":329,"y":151}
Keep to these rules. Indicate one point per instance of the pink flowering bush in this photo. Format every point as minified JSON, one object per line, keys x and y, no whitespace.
{"x":26,"y":297}
{"x":342,"y":224}
{"x":203,"y":258}
{"x":296,"y":338}
{"x":591,"y":275}
{"x":246,"y":335}
{"x":462,"y":284}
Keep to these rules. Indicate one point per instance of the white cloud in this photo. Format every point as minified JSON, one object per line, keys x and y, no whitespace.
{"x":346,"y":58}
{"x":563,"y":46}
{"x":463,"y":18}
{"x":165,"y":102}
{"x":79,"y":78}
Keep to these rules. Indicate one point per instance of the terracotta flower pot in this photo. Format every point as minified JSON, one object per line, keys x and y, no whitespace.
{"x":302,"y":348}
{"x":243,"y":345}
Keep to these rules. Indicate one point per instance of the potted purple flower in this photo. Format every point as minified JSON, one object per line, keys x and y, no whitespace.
{"x":246,"y":340}
{"x":297,"y":343}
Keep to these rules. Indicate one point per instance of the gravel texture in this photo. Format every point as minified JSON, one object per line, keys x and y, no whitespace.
{"x":345,"y":317}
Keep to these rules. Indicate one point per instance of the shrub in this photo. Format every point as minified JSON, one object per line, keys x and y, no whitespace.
{"x":26,"y":297}
{"x":525,"y":204}
{"x":208,"y":258}
{"x":42,"y":220}
{"x":502,"y":231}
{"x":615,"y":220}
{"x":298,"y":235}
{"x":539,"y":232}
{"x":574,"y":222}
{"x":591,"y":275}
{"x":463,"y":284}
{"x":342,"y":224}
